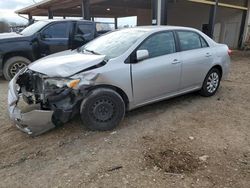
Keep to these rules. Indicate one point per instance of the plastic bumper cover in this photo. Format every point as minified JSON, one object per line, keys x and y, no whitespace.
{"x":34,"y":122}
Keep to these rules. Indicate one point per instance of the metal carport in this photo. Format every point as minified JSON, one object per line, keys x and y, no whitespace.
{"x":156,"y":12}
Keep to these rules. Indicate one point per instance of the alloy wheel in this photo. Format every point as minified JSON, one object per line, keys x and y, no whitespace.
{"x":16,"y":67}
{"x":213,"y":82}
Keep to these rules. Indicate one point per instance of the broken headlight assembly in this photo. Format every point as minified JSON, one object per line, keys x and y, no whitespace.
{"x":58,"y":89}
{"x":54,"y":83}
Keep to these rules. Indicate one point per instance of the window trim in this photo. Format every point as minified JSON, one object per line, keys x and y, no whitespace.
{"x":185,"y":30}
{"x":201,"y":38}
{"x":132,"y":57}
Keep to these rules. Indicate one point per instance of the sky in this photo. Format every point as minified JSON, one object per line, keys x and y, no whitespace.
{"x":8,"y":7}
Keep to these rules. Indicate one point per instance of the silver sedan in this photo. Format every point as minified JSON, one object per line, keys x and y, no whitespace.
{"x":115,"y":73}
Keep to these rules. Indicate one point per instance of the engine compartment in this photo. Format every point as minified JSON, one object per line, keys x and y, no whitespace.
{"x":38,"y":89}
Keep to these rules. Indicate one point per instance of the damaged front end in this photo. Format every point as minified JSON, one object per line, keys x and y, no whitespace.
{"x":38,"y":103}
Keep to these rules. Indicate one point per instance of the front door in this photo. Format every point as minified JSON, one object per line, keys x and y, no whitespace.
{"x":54,"y":38}
{"x":159,"y":75}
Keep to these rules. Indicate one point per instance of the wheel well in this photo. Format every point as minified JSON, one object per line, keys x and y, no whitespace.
{"x":13,"y":54}
{"x":117,"y":89}
{"x":219,"y":68}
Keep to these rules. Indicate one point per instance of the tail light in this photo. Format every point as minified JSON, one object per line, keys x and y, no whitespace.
{"x":230,"y":52}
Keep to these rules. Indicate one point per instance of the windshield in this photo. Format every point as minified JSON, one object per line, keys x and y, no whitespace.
{"x":32,"y":29}
{"x":115,"y":43}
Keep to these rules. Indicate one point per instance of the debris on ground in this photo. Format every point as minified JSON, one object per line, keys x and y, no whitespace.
{"x":191,"y":138}
{"x":203,"y":158}
{"x":173,"y":161}
{"x":115,"y":168}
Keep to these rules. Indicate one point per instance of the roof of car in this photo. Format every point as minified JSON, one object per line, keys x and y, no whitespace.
{"x":65,"y":20}
{"x":168,"y":27}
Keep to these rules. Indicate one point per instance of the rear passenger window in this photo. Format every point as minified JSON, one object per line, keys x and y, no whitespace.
{"x":159,"y":44}
{"x":84,"y":29}
{"x":203,"y":43}
{"x":190,"y":40}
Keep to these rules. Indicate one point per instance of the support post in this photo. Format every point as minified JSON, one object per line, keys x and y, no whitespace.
{"x":212,"y":18}
{"x":154,"y":5}
{"x":164,"y":10}
{"x":30,"y":19}
{"x":86,"y":9}
{"x":64,"y":17}
{"x":243,"y":25}
{"x":116,"y":23}
{"x":50,"y":14}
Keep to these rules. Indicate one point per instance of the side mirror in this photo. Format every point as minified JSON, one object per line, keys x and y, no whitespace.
{"x":142,"y":54}
{"x":44,"y":36}
{"x":39,"y":35}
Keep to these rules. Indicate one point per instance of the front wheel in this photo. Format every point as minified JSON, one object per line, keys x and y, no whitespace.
{"x":102,"y":110}
{"x":13,"y":65}
{"x":211,"y":83}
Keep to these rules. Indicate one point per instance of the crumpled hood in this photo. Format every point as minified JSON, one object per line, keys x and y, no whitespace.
{"x":65,"y":64}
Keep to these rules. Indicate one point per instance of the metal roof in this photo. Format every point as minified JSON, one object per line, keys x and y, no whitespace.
{"x":106,"y":8}
{"x":72,"y":8}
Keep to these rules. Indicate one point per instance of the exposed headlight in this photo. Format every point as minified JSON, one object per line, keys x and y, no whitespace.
{"x":61,"y":83}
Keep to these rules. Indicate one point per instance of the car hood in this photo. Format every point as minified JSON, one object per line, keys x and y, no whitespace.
{"x":10,"y":37}
{"x":65,"y":64}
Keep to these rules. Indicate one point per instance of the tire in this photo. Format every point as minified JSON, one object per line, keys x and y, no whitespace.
{"x":102,"y":110}
{"x":13,"y":65}
{"x":211,"y":83}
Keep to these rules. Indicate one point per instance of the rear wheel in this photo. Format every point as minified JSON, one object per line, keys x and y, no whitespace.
{"x":102,"y":110}
{"x":13,"y":65}
{"x":211,"y":83}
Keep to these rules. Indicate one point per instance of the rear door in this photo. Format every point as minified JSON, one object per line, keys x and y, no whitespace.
{"x":159,"y":75}
{"x":54,"y":38}
{"x":196,"y":58}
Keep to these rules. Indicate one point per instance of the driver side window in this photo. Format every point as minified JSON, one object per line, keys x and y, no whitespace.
{"x":159,"y":44}
{"x":57,"y":30}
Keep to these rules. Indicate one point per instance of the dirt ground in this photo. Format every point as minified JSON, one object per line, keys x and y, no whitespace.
{"x":189,"y":141}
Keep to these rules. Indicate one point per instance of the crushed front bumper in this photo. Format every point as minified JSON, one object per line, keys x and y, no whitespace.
{"x":33,"y":122}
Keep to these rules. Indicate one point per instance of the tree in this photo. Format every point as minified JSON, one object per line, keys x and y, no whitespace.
{"x":4,"y":26}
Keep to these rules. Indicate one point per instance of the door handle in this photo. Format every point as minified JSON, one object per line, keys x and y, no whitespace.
{"x":176,"y":61}
{"x":208,"y":55}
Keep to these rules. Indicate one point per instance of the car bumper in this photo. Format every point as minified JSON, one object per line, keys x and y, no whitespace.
{"x":33,"y":122}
